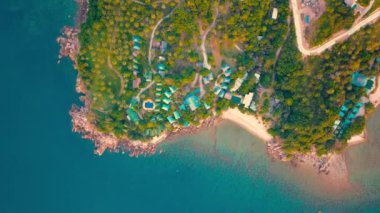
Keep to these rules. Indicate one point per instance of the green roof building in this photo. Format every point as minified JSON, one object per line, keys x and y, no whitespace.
{"x":171,"y":119}
{"x":172,"y":89}
{"x":206,"y":105}
{"x":166,"y":100}
{"x":136,"y":39}
{"x":161,"y":67}
{"x":359,"y":79}
{"x":193,"y":101}
{"x":168,"y":94}
{"x":235,"y":99}
{"x":136,"y":46}
{"x":177,"y":115}
{"x":132,"y":116}
{"x":165,"y":107}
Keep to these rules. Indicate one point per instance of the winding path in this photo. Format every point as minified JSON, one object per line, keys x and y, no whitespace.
{"x":122,"y":83}
{"x":328,"y":44}
{"x":154,"y":31}
{"x":144,"y":89}
{"x":204,"y":36}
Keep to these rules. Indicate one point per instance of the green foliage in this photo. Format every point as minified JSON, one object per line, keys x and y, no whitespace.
{"x":336,"y":17}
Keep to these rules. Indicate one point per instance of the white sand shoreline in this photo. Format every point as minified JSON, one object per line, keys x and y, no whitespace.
{"x":250,"y":123}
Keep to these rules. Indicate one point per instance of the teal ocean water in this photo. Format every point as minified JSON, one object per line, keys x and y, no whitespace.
{"x":47,"y":168}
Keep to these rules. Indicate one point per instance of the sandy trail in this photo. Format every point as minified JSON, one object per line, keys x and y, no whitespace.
{"x":122,"y":82}
{"x":154,"y":31}
{"x":204,"y":36}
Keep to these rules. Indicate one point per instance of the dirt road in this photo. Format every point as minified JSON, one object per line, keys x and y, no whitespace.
{"x":328,"y":44}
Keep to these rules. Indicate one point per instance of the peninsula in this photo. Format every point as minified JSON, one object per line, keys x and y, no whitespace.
{"x":149,"y":70}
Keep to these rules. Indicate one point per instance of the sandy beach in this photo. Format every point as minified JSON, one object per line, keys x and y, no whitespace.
{"x":249,"y":122}
{"x":374,"y":97}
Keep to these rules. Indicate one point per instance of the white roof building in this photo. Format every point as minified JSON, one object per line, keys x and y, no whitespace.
{"x":247,"y":99}
{"x":275,"y":13}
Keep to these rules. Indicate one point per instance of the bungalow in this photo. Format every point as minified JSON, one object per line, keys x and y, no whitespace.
{"x":136,"y":39}
{"x":186,"y":124}
{"x":182,"y":107}
{"x":206,"y":80}
{"x":172,"y":89}
{"x":225,"y":67}
{"x":222,"y":93}
{"x":165,"y":107}
{"x":132,"y":116}
{"x":170,"y":119}
{"x":359,"y":79}
{"x":177,"y":115}
{"x":227,"y":80}
{"x":148,"y":76}
{"x":158,"y":94}
{"x":136,"y":83}
{"x":159,"y":117}
{"x":228,"y":96}
{"x":217,"y":90}
{"x":207,"y":106}
{"x":193,"y":101}
{"x":166,"y":100}
{"x":211,"y":76}
{"x":235,"y":99}
{"x":164,"y":46}
{"x":253,"y":106}
{"x":168,"y":93}
{"x":136,"y":46}
{"x":228,"y":72}
{"x":225,"y":86}
{"x":161,"y":67}
{"x":247,"y":99}
{"x":275,"y":13}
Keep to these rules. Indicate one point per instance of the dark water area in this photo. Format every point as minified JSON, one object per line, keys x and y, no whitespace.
{"x":47,"y":168}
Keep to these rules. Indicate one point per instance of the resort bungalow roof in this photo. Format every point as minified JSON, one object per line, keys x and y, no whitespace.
{"x":228,"y":72}
{"x":136,"y":83}
{"x":235,"y":99}
{"x":222,"y":93}
{"x":132,"y":115}
{"x":172,"y":89}
{"x":166,"y":100}
{"x":170,"y":119}
{"x":135,"y":66}
{"x":159,"y":117}
{"x":168,"y":93}
{"x":136,"y":46}
{"x":227,"y":80}
{"x":192,"y":101}
{"x":253,"y":106}
{"x":148,"y":76}
{"x":247,"y":99}
{"x":157,"y":100}
{"x":165,"y":107}
{"x":158,"y":94}
{"x":359,"y":79}
{"x":177,"y":115}
{"x":225,"y":67}
{"x":182,"y":107}
{"x":206,"y":105}
{"x":206,"y":80}
{"x":136,"y":38}
{"x":210,"y":76}
{"x":161,"y":67}
{"x":186,"y":124}
{"x":217,"y":90}
{"x":225,"y":86}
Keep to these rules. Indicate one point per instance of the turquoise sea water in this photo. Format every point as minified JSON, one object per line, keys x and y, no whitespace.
{"x":47,"y":168}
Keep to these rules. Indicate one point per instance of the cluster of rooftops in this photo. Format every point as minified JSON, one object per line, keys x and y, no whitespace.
{"x":163,"y":105}
{"x":350,"y":110}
